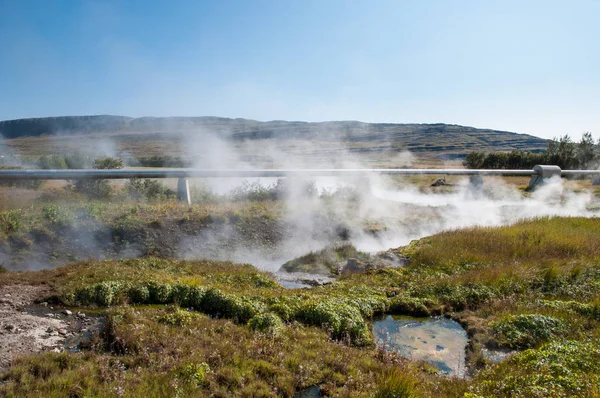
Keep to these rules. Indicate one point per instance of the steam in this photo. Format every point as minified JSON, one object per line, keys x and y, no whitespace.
{"x":373,"y":212}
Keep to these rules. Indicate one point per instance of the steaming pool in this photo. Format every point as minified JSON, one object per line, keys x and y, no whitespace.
{"x":439,"y":341}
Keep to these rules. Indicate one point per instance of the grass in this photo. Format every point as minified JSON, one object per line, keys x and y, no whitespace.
{"x":204,"y":327}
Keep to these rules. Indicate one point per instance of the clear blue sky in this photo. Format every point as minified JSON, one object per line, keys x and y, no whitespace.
{"x":525,"y":66}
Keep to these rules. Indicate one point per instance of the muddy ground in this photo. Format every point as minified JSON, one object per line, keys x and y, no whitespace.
{"x":28,"y":326}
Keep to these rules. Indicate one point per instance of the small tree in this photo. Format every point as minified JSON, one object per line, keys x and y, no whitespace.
{"x":587,"y":151}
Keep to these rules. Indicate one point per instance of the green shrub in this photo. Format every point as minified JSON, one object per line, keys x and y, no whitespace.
{"x":139,"y":294}
{"x":267,"y":323}
{"x":56,"y":162}
{"x":195,"y":373}
{"x":341,"y":320}
{"x":219,"y":304}
{"x":12,"y":220}
{"x":57,"y":215}
{"x":3,"y":269}
{"x":177,"y":318}
{"x":148,"y":190}
{"x":526,"y":331}
{"x":160,"y":293}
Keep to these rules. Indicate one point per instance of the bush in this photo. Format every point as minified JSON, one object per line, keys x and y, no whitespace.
{"x":97,"y":189}
{"x":160,"y":293}
{"x":195,"y":373}
{"x":55,"y":162}
{"x":341,"y":320}
{"x":219,"y":304}
{"x":148,"y":190}
{"x":177,"y":317}
{"x":12,"y":220}
{"x":57,"y":215}
{"x":3,"y":269}
{"x":267,"y":323}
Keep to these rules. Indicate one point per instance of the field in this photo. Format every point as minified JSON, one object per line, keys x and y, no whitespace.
{"x":182,"y":315}
{"x":275,"y":287}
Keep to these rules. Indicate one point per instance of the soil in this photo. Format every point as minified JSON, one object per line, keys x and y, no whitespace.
{"x":26,"y":327}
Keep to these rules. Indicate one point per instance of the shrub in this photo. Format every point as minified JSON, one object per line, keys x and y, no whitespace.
{"x":526,"y":331}
{"x":3,"y":269}
{"x":56,"y":162}
{"x":12,"y":220}
{"x":267,"y":323}
{"x":177,"y":318}
{"x":160,"y":293}
{"x":139,"y":294}
{"x":57,"y":215}
{"x":195,"y":373}
{"x":148,"y":190}
{"x":219,"y":304}
{"x":341,"y":320}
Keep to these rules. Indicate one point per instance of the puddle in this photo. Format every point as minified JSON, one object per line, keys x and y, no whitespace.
{"x":439,"y":341}
{"x":309,"y":392}
{"x":299,"y":280}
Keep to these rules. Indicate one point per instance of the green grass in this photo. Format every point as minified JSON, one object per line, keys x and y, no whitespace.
{"x":228,"y":329}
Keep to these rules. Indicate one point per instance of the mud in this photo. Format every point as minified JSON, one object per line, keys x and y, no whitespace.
{"x":27,"y":327}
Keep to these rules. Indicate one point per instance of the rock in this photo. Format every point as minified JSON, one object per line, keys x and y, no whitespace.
{"x":56,"y":350}
{"x":67,"y":312}
{"x":81,"y":315}
{"x":50,"y":330}
{"x":9,"y":327}
{"x":5,"y":301}
{"x":62,"y":332}
{"x":44,"y":303}
{"x":353,"y":266}
{"x":440,"y":182}
{"x":50,"y":315}
{"x":7,"y":295}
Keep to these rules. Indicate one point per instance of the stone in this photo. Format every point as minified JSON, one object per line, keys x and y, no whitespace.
{"x":50,"y":330}
{"x":44,"y":303}
{"x":67,"y":312}
{"x":10,"y":327}
{"x":81,"y":315}
{"x":62,"y":332}
{"x":439,"y":182}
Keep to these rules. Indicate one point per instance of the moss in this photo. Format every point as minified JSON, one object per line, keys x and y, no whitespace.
{"x":557,"y":369}
{"x":525,"y":331}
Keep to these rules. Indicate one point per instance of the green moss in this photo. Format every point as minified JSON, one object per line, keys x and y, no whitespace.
{"x":557,"y":369}
{"x":525,"y":331}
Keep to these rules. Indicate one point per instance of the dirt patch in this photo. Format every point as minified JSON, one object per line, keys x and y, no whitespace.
{"x":27,"y":328}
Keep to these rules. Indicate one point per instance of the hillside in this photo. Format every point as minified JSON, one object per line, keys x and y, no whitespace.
{"x":156,"y":136}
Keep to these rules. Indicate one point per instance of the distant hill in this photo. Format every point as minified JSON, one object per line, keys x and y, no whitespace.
{"x":453,"y":140}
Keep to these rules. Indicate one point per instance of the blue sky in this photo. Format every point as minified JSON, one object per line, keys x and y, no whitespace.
{"x":524,"y":66}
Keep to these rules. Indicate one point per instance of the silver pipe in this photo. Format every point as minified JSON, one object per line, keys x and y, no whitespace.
{"x":200,"y":173}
